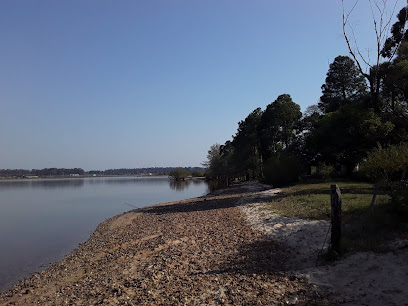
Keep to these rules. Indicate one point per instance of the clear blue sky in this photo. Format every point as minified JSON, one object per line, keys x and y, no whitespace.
{"x":120,"y":84}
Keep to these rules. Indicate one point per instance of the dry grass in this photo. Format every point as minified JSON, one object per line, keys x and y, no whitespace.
{"x":362,"y":229}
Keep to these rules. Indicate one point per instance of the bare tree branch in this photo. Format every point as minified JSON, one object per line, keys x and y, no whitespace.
{"x":382,"y":24}
{"x":345,"y":22}
{"x":366,"y":61}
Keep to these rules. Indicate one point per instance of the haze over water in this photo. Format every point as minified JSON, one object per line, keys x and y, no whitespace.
{"x":42,"y":220}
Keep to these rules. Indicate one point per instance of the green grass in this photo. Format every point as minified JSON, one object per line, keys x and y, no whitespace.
{"x":362,"y":229}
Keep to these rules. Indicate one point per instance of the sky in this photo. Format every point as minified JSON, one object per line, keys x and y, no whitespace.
{"x":101,"y":84}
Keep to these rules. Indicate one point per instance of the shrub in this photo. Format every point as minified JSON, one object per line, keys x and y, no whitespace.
{"x":382,"y":164}
{"x":179,"y":173}
{"x":282,"y":170}
{"x":198,"y":173}
{"x":326,"y":171}
{"x":399,"y":196}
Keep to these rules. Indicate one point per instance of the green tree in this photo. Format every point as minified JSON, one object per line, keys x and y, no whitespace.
{"x":309,"y":122}
{"x":384,"y":165}
{"x":213,"y":164}
{"x":344,"y":84}
{"x":219,"y":163}
{"x":370,"y":63}
{"x":399,"y":35}
{"x":343,"y":137}
{"x":247,"y":157}
{"x":179,"y":173}
{"x":282,"y":169}
{"x":279,"y":126}
{"x":395,"y":76}
{"x":395,"y":89}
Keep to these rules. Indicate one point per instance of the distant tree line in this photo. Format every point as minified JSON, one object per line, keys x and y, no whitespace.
{"x":197,"y":171}
{"x":136,"y":171}
{"x":279,"y":144}
{"x":42,"y":172}
{"x":183,"y":173}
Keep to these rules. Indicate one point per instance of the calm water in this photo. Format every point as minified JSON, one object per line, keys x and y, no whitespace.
{"x":41,"y":220}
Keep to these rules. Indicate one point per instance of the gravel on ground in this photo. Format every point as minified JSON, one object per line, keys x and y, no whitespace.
{"x":200,"y":251}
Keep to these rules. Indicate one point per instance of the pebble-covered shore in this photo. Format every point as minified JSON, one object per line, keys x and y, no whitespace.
{"x":200,"y":251}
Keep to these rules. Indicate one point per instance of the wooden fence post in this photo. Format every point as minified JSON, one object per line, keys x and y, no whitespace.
{"x":335,"y":197}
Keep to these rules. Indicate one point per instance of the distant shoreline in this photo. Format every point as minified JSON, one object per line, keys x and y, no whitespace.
{"x":89,"y":176}
{"x":76,"y":176}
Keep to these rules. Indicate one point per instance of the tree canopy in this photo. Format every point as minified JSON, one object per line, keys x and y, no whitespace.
{"x":357,"y":112}
{"x":344,"y":84}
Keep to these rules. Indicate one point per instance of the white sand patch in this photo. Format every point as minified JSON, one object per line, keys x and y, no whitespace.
{"x":363,"y":278}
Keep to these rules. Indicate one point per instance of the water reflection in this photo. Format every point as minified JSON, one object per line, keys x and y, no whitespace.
{"x":179,"y":185}
{"x":215,"y":185}
{"x":76,"y":182}
{"x":128,"y":180}
{"x":46,"y":218}
{"x":41,"y":183}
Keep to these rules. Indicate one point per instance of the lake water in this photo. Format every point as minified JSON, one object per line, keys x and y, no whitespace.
{"x":42,"y":220}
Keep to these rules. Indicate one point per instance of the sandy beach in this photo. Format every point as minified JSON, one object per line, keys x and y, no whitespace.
{"x":362,"y":278}
{"x":218,"y":249}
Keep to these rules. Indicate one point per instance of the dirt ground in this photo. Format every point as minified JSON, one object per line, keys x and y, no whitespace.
{"x":200,"y":251}
{"x":363,"y":278}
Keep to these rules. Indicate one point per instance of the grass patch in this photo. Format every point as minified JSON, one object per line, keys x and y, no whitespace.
{"x":362,"y":230}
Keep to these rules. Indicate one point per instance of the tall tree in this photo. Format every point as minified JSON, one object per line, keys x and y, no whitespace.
{"x":344,"y":137}
{"x":369,"y":65}
{"x":399,"y":35}
{"x":395,"y":81}
{"x":219,"y":163}
{"x":278,"y":126}
{"x":214,"y":161}
{"x":344,"y":84}
{"x":246,"y":144}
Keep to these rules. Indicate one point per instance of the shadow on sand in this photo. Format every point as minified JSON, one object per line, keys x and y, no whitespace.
{"x":224,"y":198}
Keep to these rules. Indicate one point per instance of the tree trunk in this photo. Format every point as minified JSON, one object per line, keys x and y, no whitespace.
{"x":335,"y":197}
{"x":375,"y":192}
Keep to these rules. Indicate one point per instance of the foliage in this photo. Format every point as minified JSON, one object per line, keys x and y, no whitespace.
{"x":311,"y":199}
{"x":325,"y":171}
{"x":142,"y":171}
{"x":398,"y":192}
{"x":246,"y":146}
{"x":213,"y":162}
{"x":282,"y":169}
{"x":344,"y":84}
{"x":344,"y":137}
{"x":278,"y":126}
{"x":219,"y":162}
{"x":382,"y":164}
{"x":197,"y":173}
{"x":41,"y":172}
{"x":357,"y":111}
{"x":399,"y":35}
{"x":384,"y":48}
{"x":179,"y":173}
{"x":362,"y":230}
